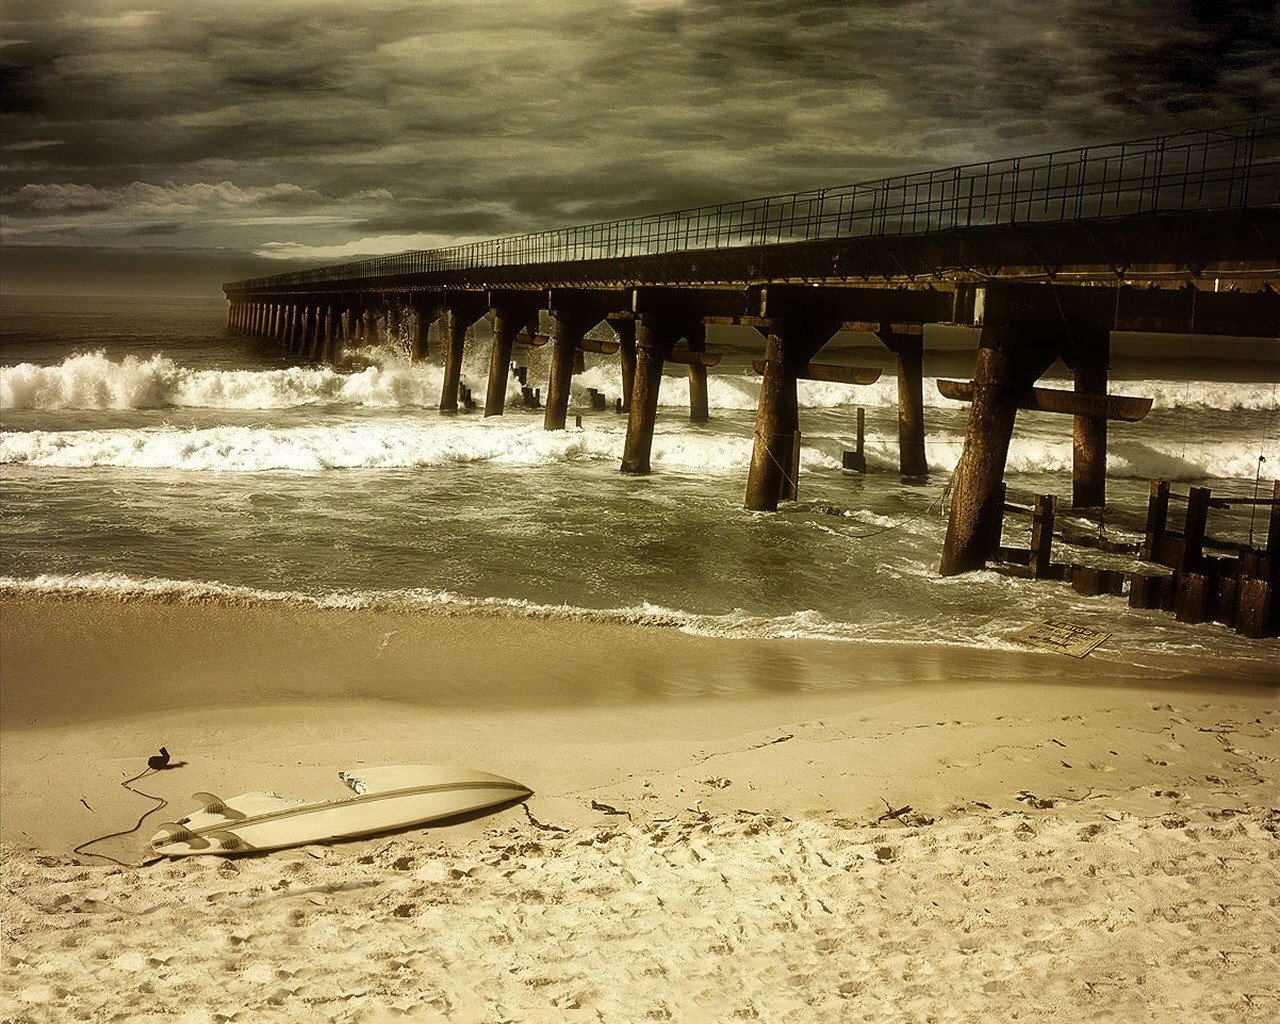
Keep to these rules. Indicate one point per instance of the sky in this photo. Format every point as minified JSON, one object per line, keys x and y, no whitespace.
{"x":178,"y":143}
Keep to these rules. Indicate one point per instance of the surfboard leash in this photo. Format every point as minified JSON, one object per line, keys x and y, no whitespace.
{"x":155,"y":763}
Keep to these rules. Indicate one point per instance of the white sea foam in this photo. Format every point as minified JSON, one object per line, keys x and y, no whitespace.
{"x":737,"y":624}
{"x":95,"y":381}
{"x":376,"y":445}
{"x":521,"y":441}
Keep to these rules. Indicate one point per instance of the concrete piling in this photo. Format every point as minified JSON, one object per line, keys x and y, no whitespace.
{"x":453,"y":338}
{"x":699,"y":409}
{"x":567,"y":331}
{"x":908,"y":351}
{"x":1089,"y":448}
{"x":626,"y":331}
{"x":507,"y":322}
{"x":773,"y":447}
{"x":655,"y":336}
{"x":999,"y":377}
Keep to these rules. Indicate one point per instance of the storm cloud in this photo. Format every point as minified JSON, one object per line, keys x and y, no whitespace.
{"x":313,"y":129}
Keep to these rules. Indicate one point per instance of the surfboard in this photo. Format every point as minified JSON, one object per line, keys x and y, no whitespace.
{"x":386,"y":798}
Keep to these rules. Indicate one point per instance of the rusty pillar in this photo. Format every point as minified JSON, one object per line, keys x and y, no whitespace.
{"x":699,"y":409}
{"x":1089,"y":448}
{"x":453,"y":339}
{"x":656,"y":334}
{"x":507,"y":322}
{"x":776,"y":426}
{"x":568,"y":328}
{"x":1002,"y":373}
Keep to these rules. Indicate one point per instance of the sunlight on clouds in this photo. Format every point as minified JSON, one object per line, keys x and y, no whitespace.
{"x":380,"y":245}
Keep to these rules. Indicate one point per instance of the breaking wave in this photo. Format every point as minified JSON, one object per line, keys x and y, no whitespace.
{"x":418,"y":443}
{"x":95,"y":381}
{"x":737,"y":624}
{"x":365,"y":446}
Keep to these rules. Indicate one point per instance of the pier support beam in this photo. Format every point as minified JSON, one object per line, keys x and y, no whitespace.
{"x":655,"y":336}
{"x":625,"y":329}
{"x":425,"y":312}
{"x":455,"y":321}
{"x":908,"y":350}
{"x":776,"y":416}
{"x":509,"y":319}
{"x":789,"y":344}
{"x":699,"y":409}
{"x":1005,"y":369}
{"x":1089,"y":449}
{"x":568,"y":329}
{"x":453,"y":338}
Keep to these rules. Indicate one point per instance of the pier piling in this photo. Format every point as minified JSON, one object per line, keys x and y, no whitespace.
{"x":1002,"y":372}
{"x":1089,"y":447}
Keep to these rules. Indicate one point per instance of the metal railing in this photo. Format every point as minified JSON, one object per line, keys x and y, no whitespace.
{"x":1220,"y":168}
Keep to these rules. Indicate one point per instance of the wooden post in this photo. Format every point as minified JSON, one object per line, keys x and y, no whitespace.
{"x":1157,"y":519}
{"x":998,"y":378}
{"x":453,"y":339}
{"x":507,"y":322}
{"x":1042,"y":535}
{"x":655,"y":336}
{"x":626,"y":331}
{"x":1273,"y":534}
{"x":774,"y":442}
{"x":1089,"y":449}
{"x":1194,"y":531}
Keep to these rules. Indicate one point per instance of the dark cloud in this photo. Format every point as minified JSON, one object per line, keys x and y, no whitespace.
{"x":298,"y":129}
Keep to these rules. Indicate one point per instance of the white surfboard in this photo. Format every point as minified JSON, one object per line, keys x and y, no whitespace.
{"x":386,"y":799}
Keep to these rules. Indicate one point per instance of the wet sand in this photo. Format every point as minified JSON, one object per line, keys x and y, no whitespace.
{"x":1111,"y":826}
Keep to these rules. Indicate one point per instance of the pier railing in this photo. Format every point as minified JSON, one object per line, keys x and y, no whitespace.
{"x":1229,"y":167}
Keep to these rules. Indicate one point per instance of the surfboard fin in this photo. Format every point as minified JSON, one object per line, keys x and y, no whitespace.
{"x":172,"y":832}
{"x":229,"y":841}
{"x":211,"y":804}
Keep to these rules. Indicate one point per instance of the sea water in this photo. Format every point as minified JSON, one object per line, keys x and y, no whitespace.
{"x":145,"y":449}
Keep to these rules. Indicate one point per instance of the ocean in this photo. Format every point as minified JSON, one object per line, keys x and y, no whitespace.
{"x":145,"y":449}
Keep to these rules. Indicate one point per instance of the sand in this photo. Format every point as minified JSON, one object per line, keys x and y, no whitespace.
{"x":708,"y":839}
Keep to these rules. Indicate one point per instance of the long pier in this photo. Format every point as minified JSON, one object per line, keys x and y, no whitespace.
{"x":1047,"y":256}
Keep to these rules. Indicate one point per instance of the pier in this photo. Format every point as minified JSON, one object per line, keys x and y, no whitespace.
{"x":1046,"y":256}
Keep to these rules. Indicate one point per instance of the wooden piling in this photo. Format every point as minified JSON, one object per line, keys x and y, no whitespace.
{"x":1042,"y":535}
{"x":1089,"y":447}
{"x":1157,"y":520}
{"x":1193,"y":532}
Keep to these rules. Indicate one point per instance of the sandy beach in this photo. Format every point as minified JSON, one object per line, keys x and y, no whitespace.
{"x":712,"y":834}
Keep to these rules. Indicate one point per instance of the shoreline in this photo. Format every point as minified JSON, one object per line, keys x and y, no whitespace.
{"x":720,"y":828}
